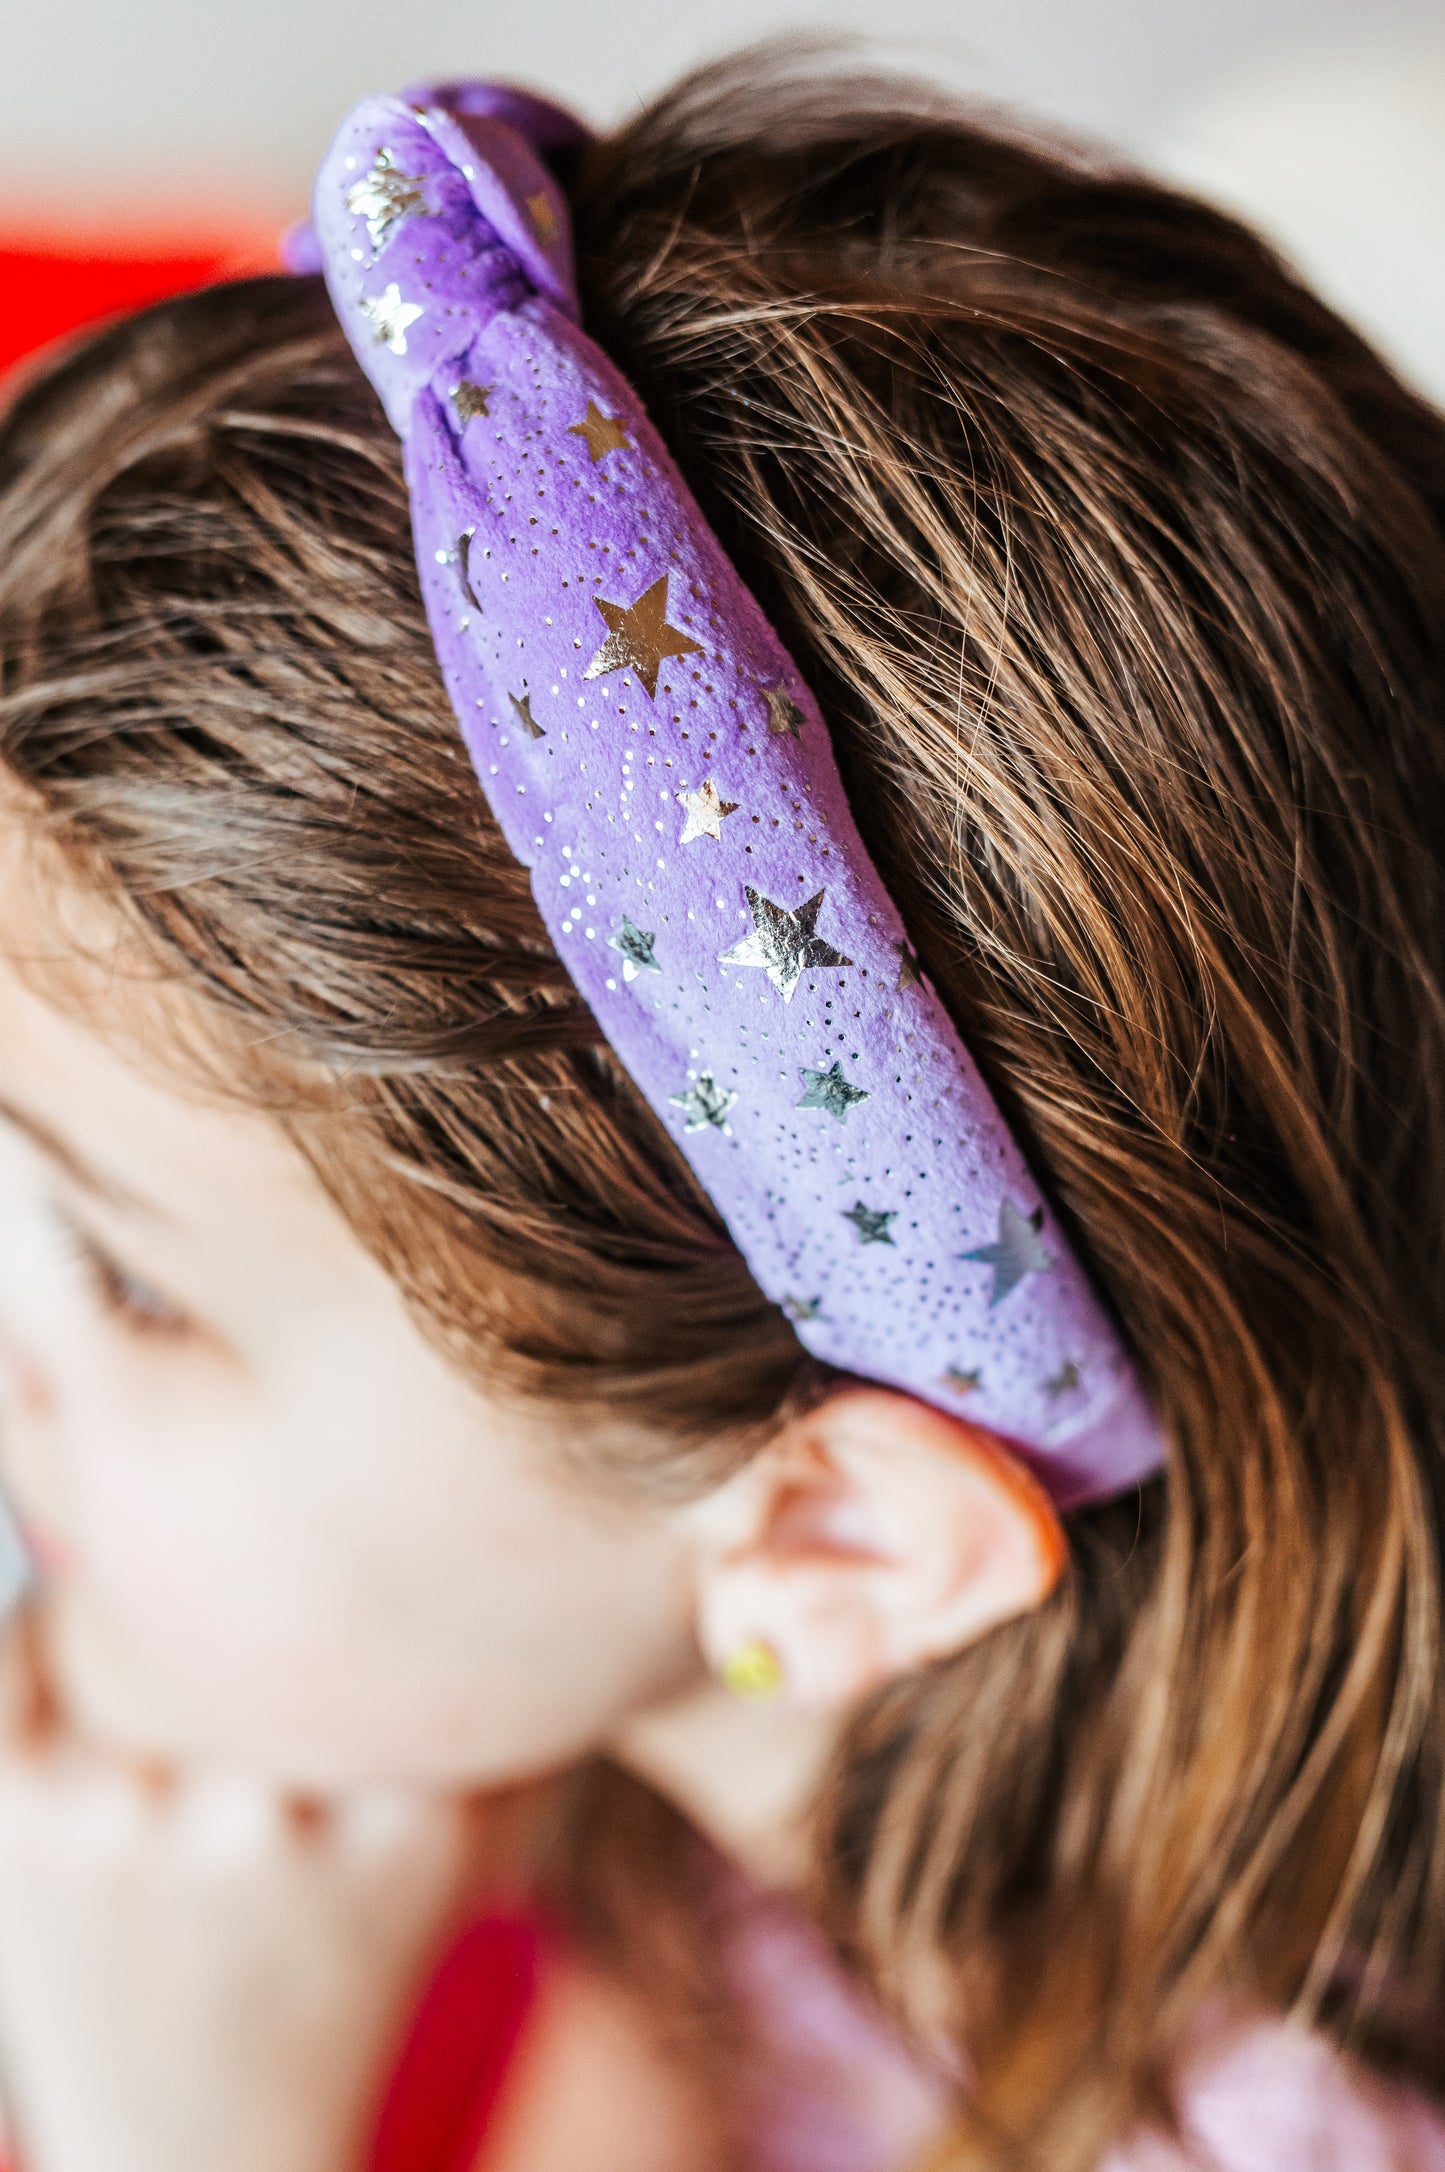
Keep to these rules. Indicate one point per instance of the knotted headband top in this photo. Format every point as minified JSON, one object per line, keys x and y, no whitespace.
{"x":654,"y":757}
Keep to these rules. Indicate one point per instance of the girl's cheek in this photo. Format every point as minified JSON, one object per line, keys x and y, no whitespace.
{"x":131,"y":1466}
{"x":30,"y":1465}
{"x":15,"y":1380}
{"x":190,"y":1629}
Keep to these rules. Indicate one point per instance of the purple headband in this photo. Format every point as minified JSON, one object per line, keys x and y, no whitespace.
{"x":656,"y":761}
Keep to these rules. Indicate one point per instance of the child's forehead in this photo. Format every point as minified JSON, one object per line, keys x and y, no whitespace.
{"x":94,"y":1041}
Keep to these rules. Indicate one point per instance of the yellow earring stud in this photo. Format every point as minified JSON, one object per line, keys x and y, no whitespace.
{"x":753,"y":1672}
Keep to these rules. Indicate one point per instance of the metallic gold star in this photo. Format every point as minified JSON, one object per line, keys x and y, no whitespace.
{"x":1065,"y":1380}
{"x":785,"y":718}
{"x":799,"y":1309}
{"x":831,"y":1091}
{"x":708,"y":1105}
{"x":391,"y":316}
{"x":522,"y":711}
{"x":470,"y":400}
{"x":907,"y":967}
{"x":706,"y":813}
{"x":783,"y":943}
{"x":963,"y":1382}
{"x":870,"y":1223}
{"x":639,"y":638}
{"x":543,"y":217}
{"x":635,"y":945}
{"x":1018,"y":1250}
{"x":604,"y":433}
{"x":385,"y":197}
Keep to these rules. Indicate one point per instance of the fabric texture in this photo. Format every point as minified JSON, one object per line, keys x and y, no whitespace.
{"x":1273,"y":2098}
{"x":656,"y":761}
{"x":839,"y":2091}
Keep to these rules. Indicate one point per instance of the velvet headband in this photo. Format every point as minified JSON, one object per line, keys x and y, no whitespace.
{"x":654,"y":757}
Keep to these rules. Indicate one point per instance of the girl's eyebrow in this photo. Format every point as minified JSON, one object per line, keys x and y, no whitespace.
{"x":74,"y":1165}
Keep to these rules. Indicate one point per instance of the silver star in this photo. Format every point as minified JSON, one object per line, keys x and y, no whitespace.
{"x":785,"y":718}
{"x":391,"y":317}
{"x":1017,"y":1251}
{"x":798,"y":1309}
{"x":1065,"y":1380}
{"x":783,"y":943}
{"x":522,"y":711}
{"x":963,"y":1382}
{"x":708,"y":1105}
{"x":470,"y":400}
{"x":870,"y":1223}
{"x":705,"y":812}
{"x":635,"y":944}
{"x":385,"y":198}
{"x":831,"y":1091}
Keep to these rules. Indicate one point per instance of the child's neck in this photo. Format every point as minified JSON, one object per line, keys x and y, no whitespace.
{"x":748,"y":1775}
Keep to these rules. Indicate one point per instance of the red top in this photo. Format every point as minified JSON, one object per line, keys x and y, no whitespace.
{"x":444,"y":2090}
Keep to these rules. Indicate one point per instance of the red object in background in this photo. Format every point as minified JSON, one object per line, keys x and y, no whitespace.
{"x":57,"y":283}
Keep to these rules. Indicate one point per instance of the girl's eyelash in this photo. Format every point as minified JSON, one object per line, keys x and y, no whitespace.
{"x":125,"y":1296}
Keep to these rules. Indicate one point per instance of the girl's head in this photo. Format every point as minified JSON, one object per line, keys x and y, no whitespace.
{"x":421,"y":1405}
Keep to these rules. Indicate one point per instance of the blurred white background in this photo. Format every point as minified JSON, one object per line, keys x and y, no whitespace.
{"x":1322,"y":120}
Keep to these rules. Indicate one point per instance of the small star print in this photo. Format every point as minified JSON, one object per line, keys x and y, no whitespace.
{"x":543,"y":217}
{"x":1018,"y":1250}
{"x":604,"y":433}
{"x":462,"y":558}
{"x":391,"y":317}
{"x":706,"y":813}
{"x":1065,"y":1380}
{"x":470,"y":400}
{"x":708,"y":1105}
{"x":907,"y":966}
{"x":871,"y":1225}
{"x":963,"y":1381}
{"x":635,"y":945}
{"x":639,"y":638}
{"x":522,"y":711}
{"x":831,"y":1091}
{"x":799,"y":1309}
{"x":783,"y":943}
{"x":785,"y":718}
{"x":385,"y":197}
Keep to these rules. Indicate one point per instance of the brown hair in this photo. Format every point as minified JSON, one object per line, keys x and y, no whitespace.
{"x":1117,"y":564}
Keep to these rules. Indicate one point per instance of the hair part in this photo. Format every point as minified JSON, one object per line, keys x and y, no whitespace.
{"x":1117,"y":564}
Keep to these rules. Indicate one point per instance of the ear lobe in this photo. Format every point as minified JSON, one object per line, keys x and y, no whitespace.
{"x":880,"y":1534}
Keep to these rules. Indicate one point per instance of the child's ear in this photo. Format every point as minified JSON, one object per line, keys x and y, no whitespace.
{"x":872,"y":1535}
